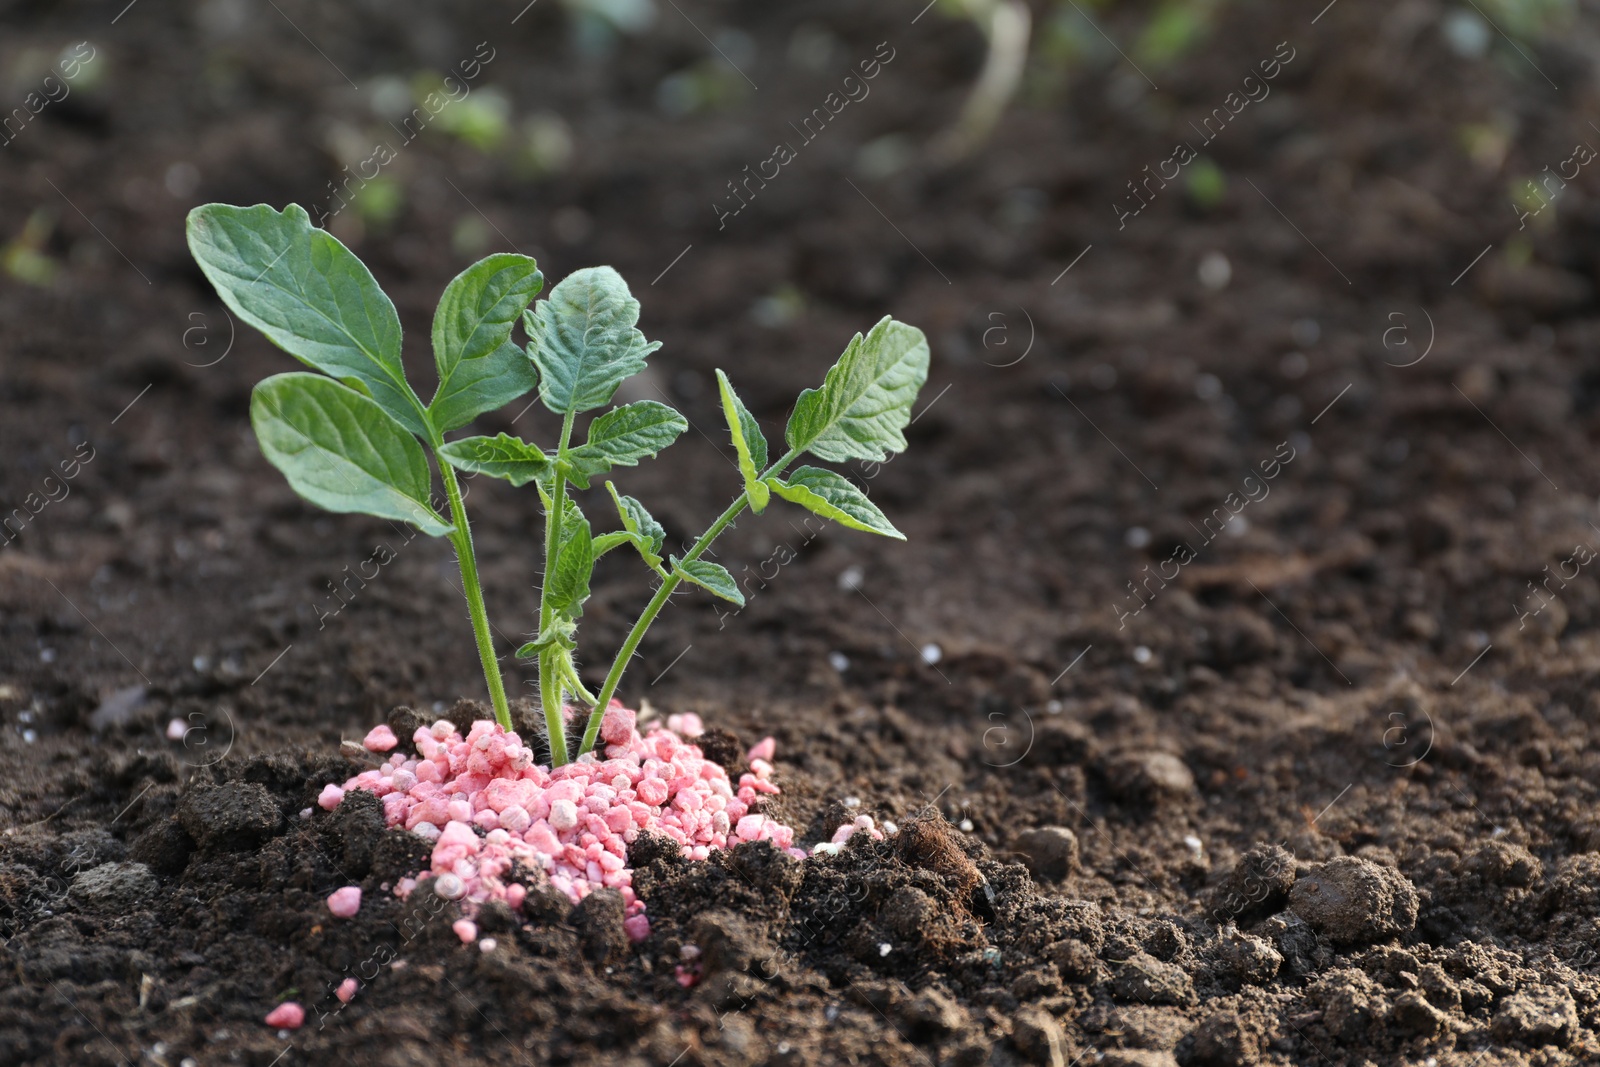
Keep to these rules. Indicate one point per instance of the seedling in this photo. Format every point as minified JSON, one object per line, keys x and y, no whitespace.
{"x":356,"y":437}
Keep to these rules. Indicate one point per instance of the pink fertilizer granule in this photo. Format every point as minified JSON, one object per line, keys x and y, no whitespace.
{"x":574,"y":823}
{"x":346,"y":991}
{"x":287,"y":1016}
{"x":345,"y":902}
{"x":380,"y":739}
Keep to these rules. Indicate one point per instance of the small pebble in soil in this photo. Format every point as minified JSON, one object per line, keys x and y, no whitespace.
{"x":487,"y":944}
{"x":176,"y":729}
{"x":345,"y":902}
{"x":839,"y":661}
{"x":287,"y":1016}
{"x":1467,"y":34}
{"x":851,"y":802}
{"x":1192,"y":843}
{"x":884,"y":948}
{"x":932,"y":653}
{"x":1214,"y":272}
{"x":1142,"y":654}
{"x":346,"y":991}
{"x":965,"y":826}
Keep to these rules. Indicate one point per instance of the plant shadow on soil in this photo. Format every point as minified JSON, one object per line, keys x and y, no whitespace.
{"x":1325,"y":799}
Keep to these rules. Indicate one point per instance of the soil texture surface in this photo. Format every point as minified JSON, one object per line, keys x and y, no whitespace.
{"x":1233,"y":696}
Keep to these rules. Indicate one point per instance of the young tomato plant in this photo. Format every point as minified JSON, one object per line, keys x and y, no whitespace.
{"x":356,"y":437}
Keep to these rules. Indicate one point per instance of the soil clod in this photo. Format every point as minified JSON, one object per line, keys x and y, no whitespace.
{"x":114,"y":887}
{"x":1223,"y":1039}
{"x":1051,"y":852}
{"x":598,"y":918}
{"x":230,"y":817}
{"x":1144,"y":979}
{"x":1537,"y":1017}
{"x":1149,"y":777}
{"x":1257,"y":886}
{"x":1353,"y":901}
{"x":1038,"y":1036}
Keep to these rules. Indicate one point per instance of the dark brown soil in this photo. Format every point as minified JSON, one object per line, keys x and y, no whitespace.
{"x":1330,"y":796}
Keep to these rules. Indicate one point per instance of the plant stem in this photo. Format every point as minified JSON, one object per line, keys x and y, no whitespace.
{"x":657,"y":602}
{"x":550,"y":696}
{"x":569,"y":669}
{"x":468,"y":561}
{"x":550,"y":688}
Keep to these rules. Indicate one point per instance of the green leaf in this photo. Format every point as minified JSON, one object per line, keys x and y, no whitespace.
{"x":711,"y":577}
{"x":479,"y":368}
{"x":748,"y":441}
{"x":559,"y":636}
{"x":865,"y":400}
{"x":606,"y":542}
{"x":310,"y":295}
{"x":342,"y":452}
{"x":623,"y":436}
{"x":584,"y":341}
{"x":637,"y":521}
{"x":834,"y":497}
{"x":502,"y":456}
{"x":568,"y":587}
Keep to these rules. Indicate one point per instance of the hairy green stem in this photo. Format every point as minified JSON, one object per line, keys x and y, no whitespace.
{"x":570,"y":670}
{"x":550,"y":696}
{"x":550,"y":686}
{"x":461,"y":537}
{"x":668,"y":585}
